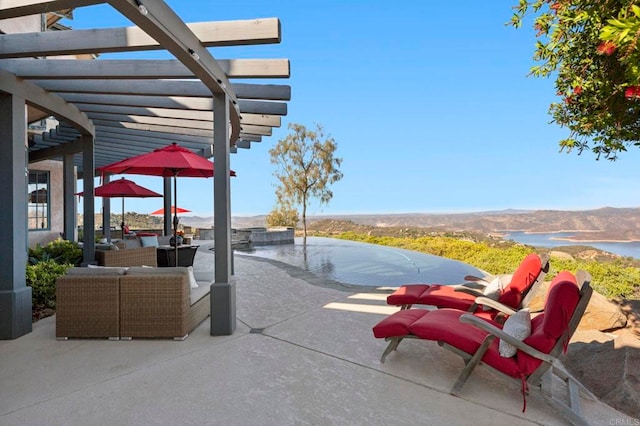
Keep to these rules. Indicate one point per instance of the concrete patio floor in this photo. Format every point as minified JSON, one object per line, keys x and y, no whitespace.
{"x":303,"y":354}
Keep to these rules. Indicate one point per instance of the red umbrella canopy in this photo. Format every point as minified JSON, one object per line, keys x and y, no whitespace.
{"x":123,"y":188}
{"x":173,"y":211}
{"x":170,"y":161}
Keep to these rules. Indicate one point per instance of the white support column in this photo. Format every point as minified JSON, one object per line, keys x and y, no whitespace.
{"x":15,"y":295}
{"x":69,"y":199}
{"x":223,"y":291}
{"x":89,"y":222}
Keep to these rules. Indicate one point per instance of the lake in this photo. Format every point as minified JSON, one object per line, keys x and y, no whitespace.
{"x":631,"y":249}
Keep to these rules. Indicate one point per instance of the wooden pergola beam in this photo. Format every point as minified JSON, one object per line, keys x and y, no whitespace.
{"x":129,"y":39}
{"x":16,"y":8}
{"x":205,"y":104}
{"x":45,"y":101}
{"x":54,"y":69}
{"x":161,"y":23}
{"x":183,"y":114}
{"x":152,"y":87}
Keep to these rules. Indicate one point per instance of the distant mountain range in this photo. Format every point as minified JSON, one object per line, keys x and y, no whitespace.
{"x":605,"y":224}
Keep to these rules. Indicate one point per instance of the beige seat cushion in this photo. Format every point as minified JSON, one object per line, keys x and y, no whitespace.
{"x":97,"y":270}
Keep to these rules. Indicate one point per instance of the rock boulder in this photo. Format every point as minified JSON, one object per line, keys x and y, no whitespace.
{"x":601,"y":314}
{"x":609,"y":366}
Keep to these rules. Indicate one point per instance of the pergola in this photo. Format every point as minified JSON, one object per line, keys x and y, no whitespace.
{"x":109,"y":110}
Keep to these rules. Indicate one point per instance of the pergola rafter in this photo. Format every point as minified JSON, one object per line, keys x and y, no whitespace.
{"x":134,"y":39}
{"x":162,"y":96}
{"x":139,"y":68}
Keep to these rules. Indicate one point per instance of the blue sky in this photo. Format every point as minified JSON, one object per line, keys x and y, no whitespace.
{"x":429,"y":102}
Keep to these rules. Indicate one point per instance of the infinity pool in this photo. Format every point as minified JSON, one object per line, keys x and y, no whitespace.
{"x":364,"y":264}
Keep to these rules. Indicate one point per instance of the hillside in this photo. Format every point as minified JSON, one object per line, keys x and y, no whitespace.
{"x":331,"y":227}
{"x":605,"y":224}
{"x":610,"y":224}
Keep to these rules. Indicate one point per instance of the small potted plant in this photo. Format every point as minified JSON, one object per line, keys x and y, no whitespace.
{"x":178,"y":238}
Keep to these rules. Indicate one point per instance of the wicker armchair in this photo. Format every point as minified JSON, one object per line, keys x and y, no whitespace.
{"x":156,"y":303}
{"x":88,"y":304}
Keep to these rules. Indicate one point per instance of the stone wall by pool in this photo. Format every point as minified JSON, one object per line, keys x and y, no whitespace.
{"x":255,"y":236}
{"x":266,"y":236}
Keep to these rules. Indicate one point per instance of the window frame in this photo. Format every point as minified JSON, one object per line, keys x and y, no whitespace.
{"x":38,"y":218}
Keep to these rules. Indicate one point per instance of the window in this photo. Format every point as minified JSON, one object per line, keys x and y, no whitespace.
{"x":38,"y":199}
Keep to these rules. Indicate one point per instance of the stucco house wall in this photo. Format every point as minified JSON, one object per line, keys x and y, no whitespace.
{"x":25,"y":24}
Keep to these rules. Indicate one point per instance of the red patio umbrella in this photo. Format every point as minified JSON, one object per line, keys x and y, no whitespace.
{"x":170,"y":161}
{"x":173,"y":211}
{"x":123,"y":188}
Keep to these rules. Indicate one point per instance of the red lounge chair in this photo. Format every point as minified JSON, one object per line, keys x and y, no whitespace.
{"x":516,"y":293}
{"x":476,"y":339}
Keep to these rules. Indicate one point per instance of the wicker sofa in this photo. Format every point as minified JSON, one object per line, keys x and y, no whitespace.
{"x":139,"y":256}
{"x":130,"y":252}
{"x":125,"y":303}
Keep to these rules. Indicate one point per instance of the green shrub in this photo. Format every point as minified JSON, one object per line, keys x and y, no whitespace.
{"x":283,"y":215}
{"x":60,"y":251}
{"x":609,"y":279}
{"x":41,"y":277}
{"x":46,"y":263}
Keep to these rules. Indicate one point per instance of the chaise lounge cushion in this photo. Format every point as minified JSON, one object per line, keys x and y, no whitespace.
{"x":528,"y":273}
{"x":398,"y":324}
{"x":407,"y":294}
{"x":548,"y":327}
{"x":444,"y":325}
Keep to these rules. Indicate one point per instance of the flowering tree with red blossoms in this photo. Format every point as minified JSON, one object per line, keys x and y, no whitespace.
{"x":591,"y":48}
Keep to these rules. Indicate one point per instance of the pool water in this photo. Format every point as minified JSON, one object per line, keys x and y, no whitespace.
{"x":365,"y":264}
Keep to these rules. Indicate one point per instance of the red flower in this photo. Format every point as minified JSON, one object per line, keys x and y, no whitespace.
{"x":556,"y":6}
{"x":632,"y":92}
{"x":577,"y":90}
{"x":539,"y":29}
{"x":607,"y":48}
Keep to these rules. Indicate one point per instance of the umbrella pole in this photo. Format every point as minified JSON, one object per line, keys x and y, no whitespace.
{"x":123,"y":223}
{"x":175,"y":215}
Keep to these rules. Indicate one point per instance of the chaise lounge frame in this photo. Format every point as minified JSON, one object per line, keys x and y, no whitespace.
{"x":543,"y":376}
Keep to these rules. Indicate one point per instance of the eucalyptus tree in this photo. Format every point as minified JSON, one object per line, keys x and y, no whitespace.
{"x":306,"y":166}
